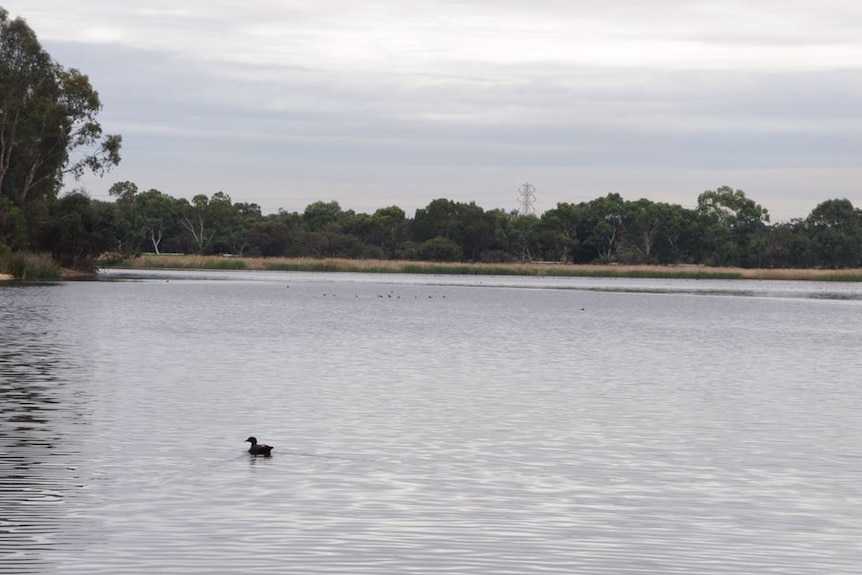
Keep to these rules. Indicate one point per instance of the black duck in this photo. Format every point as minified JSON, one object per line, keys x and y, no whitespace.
{"x":258,"y":448}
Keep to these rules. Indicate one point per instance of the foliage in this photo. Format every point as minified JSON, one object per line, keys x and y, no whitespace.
{"x":48,"y":123}
{"x":78,"y":229}
{"x":437,"y":249}
{"x":608,"y":230}
{"x":730,"y":226}
{"x":13,"y":225}
{"x":836,"y":231}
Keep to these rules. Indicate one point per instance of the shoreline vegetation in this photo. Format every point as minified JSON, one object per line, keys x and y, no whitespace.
{"x":25,"y":266}
{"x":550,"y":269}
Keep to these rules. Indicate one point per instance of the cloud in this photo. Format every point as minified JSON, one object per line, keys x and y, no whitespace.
{"x":401,"y":102}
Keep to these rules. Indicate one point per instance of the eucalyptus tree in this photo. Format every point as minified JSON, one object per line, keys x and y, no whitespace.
{"x":465,"y":224}
{"x":216,"y":224}
{"x":561,"y":230}
{"x":195,"y":218}
{"x":657,"y":232}
{"x":835,"y":227}
{"x":508,"y":236}
{"x":389,"y":229}
{"x":643,"y":222}
{"x":730,"y":220}
{"x":79,"y":228}
{"x":130,"y":235}
{"x":268,"y":237}
{"x":48,"y":120}
{"x":322,"y":216}
{"x":677,"y":238}
{"x":473,"y":229}
{"x":523,"y":236}
{"x":323,"y":234}
{"x":605,"y":218}
{"x":157,"y":215}
{"x":437,"y":219}
{"x":13,"y":225}
{"x":145,"y":218}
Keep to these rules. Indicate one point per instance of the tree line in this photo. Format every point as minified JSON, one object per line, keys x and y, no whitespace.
{"x":725,"y":228}
{"x":49,"y":131}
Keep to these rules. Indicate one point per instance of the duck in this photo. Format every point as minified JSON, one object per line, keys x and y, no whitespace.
{"x":258,"y":448}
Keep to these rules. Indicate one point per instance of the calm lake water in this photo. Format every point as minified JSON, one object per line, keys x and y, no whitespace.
{"x":430,"y":425}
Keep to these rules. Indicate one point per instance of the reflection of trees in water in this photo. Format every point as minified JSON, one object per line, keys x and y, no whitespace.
{"x":40,"y":407}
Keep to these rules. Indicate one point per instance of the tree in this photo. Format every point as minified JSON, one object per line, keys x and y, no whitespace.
{"x":508,"y":236}
{"x":13,"y":225}
{"x":48,"y":125}
{"x":156,"y":213}
{"x":247,"y":214}
{"x":676,"y":240}
{"x":144,"y":216}
{"x":437,"y":219}
{"x":560,"y":228}
{"x":731,"y":208}
{"x":835,"y":227}
{"x":656,"y":232}
{"x":79,"y":228}
{"x":321,"y":216}
{"x":388,"y":229}
{"x":268,"y":238}
{"x":229,"y":232}
{"x":523,"y":236}
{"x":730,"y":222}
{"x":643,"y":220}
{"x":195,"y":219}
{"x":129,"y":233}
{"x":605,"y":217}
{"x":474,"y":228}
{"x":438,"y":249}
{"x":469,"y":226}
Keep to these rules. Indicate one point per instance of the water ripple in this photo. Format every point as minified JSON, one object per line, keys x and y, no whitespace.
{"x":487,"y":432}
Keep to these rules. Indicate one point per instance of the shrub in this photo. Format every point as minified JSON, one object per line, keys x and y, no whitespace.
{"x":437,"y":249}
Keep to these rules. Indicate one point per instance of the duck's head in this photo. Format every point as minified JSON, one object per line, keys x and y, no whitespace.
{"x":252,"y":440}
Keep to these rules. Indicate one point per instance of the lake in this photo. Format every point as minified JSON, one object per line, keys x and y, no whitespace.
{"x":430,"y":424}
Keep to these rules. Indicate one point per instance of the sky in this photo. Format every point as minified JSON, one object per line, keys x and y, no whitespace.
{"x":398,"y":102}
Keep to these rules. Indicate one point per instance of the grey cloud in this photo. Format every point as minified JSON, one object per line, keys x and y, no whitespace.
{"x":271,"y":123}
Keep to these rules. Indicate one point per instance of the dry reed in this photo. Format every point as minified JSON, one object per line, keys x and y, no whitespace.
{"x":528,"y":269}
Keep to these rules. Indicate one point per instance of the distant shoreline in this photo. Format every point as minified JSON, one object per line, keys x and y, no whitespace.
{"x":551,"y":269}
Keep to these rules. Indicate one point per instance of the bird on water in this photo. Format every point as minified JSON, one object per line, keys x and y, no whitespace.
{"x":258,"y":448}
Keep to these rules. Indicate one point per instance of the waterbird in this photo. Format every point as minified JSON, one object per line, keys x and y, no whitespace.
{"x":258,"y":448}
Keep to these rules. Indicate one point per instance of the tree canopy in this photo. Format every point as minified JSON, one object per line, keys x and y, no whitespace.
{"x":608,"y":229}
{"x":48,"y":122}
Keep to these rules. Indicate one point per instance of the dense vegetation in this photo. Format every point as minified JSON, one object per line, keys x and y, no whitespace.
{"x":726,"y":228}
{"x":48,"y":130}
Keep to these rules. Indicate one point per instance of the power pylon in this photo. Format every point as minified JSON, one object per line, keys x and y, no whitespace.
{"x":526,"y":198}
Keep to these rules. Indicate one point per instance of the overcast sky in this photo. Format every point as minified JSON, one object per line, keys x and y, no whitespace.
{"x":399,"y":102}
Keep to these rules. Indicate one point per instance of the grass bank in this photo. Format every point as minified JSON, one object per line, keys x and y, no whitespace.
{"x":190,"y":262}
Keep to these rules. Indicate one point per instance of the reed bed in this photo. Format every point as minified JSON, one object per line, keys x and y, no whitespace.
{"x":28,"y":266}
{"x":190,"y":262}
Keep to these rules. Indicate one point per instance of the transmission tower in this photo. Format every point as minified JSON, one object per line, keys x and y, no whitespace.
{"x":526,"y":198}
